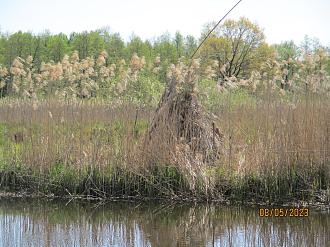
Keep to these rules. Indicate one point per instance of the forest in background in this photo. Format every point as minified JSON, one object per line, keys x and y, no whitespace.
{"x":237,"y":49}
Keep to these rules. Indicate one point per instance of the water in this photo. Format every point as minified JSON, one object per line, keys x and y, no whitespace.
{"x":35,"y":222}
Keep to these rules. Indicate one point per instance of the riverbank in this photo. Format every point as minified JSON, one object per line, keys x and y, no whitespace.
{"x":246,"y":191}
{"x":248,"y":202}
{"x":271,"y":152}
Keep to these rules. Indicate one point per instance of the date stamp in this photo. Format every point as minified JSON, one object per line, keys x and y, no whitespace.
{"x":283,"y":212}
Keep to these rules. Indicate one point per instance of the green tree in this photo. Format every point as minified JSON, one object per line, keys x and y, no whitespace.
{"x":115,"y":46}
{"x":327,"y":66}
{"x":178,"y":40}
{"x":190,"y":45}
{"x":166,"y":48}
{"x":236,"y":45}
{"x":18,"y":45}
{"x":310,"y":45}
{"x":137,"y":45}
{"x":3,"y":42}
{"x":88,"y":44}
{"x":287,"y":50}
{"x":58,"y":46}
{"x":287,"y":54}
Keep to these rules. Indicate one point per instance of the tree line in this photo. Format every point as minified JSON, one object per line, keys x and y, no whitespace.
{"x":236,"y":48}
{"x":47,"y":47}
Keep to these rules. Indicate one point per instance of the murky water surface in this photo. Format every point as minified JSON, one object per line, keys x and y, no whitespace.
{"x":52,"y":223}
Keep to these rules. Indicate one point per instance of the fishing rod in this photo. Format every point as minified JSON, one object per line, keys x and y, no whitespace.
{"x":192,"y":56}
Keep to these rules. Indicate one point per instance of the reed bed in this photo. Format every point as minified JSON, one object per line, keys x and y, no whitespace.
{"x":272,"y":150}
{"x":85,"y":127}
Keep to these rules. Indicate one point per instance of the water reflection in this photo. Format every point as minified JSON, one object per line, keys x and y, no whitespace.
{"x":48,"y":223}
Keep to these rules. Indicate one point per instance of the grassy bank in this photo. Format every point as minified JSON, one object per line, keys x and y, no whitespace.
{"x":272,"y":151}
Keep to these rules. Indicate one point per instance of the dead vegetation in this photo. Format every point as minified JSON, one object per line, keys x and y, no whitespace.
{"x":181,"y":127}
{"x":269,"y":149}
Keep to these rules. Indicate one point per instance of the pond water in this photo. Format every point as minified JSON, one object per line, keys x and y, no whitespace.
{"x":33,"y":222}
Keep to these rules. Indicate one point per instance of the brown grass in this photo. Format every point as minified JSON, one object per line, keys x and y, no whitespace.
{"x":271,"y":150}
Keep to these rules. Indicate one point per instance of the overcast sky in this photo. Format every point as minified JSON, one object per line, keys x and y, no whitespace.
{"x":280,"y":19}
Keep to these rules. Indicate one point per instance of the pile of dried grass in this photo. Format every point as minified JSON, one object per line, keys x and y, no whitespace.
{"x":181,"y":131}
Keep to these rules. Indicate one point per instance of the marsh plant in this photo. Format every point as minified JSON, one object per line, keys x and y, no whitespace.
{"x":81,"y":127}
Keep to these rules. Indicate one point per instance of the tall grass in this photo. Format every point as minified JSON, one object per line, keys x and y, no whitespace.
{"x":272,"y":151}
{"x":79,"y":127}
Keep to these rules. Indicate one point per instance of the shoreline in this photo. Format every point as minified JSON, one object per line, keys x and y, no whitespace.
{"x":98,"y":153}
{"x":17,"y":195}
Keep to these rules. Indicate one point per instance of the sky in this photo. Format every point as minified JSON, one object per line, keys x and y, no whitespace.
{"x":280,"y":19}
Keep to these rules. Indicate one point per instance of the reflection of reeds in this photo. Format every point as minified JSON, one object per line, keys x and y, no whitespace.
{"x":153,"y":224}
{"x":278,"y":151}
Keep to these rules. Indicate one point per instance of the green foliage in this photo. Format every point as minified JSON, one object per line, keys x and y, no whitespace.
{"x":115,"y":46}
{"x":58,"y":46}
{"x":213,"y":98}
{"x":287,"y":50}
{"x":146,"y":90}
{"x":88,"y":44}
{"x":236,"y":50}
{"x":238,"y":46}
{"x":45,"y":47}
